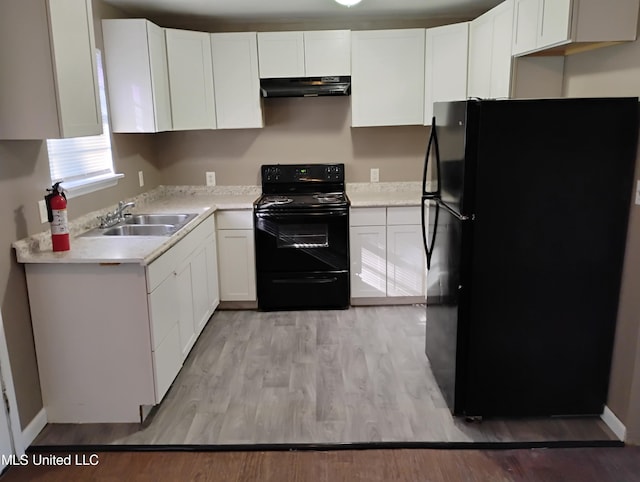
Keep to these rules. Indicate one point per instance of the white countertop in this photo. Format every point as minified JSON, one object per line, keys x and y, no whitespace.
{"x":137,"y":249}
{"x":382,"y":194}
{"x":182,"y":199}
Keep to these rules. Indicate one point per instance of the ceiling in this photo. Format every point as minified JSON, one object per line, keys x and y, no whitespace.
{"x":272,"y":10}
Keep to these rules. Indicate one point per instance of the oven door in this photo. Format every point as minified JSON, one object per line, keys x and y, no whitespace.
{"x":292,"y":241}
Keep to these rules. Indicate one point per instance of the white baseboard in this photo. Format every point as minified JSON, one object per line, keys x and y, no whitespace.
{"x":614,"y":423}
{"x":32,"y":430}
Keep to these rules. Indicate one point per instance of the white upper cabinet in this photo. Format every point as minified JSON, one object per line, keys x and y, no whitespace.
{"x":387,"y":77}
{"x":137,"y":76}
{"x":525,"y":26}
{"x":281,"y":54}
{"x":490,"y":61}
{"x":569,"y":26}
{"x":190,"y":79}
{"x":327,"y":52}
{"x":304,"y":54}
{"x":236,"y":80}
{"x":447,"y":53}
{"x":554,"y":22}
{"x":48,"y":86}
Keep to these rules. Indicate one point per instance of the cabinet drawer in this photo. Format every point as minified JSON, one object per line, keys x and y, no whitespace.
{"x":403,"y":215}
{"x":162,"y":267}
{"x":368,"y":217}
{"x":239,"y":219}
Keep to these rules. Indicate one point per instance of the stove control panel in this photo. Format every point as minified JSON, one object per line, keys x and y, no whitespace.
{"x":303,"y":173}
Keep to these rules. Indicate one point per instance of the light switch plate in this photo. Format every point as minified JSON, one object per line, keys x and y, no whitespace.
{"x":140,"y":178}
{"x":211,"y":178}
{"x":375,"y":174}
{"x":637,"y":192}
{"x":42,"y":208}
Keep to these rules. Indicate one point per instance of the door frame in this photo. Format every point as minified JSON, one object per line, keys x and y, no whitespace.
{"x":6,"y":381}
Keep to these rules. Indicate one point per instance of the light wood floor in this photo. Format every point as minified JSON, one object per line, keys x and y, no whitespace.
{"x":313,"y":377}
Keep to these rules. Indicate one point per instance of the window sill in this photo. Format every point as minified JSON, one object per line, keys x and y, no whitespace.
{"x":85,"y":186}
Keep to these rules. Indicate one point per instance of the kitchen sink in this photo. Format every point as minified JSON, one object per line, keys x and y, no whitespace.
{"x":158,"y":218}
{"x":140,"y":230}
{"x":144,"y":225}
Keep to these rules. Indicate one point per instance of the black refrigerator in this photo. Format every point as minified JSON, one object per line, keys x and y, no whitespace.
{"x":524,"y":225}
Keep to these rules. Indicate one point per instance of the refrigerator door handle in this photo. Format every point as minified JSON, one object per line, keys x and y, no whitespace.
{"x":429,"y":252}
{"x":433,"y":142}
{"x":455,"y":214}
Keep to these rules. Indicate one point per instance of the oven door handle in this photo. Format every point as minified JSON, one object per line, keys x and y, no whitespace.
{"x":301,"y":214}
{"x":309,"y":281}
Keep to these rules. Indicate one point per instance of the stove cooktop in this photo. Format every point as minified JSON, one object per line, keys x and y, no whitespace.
{"x":307,"y":200}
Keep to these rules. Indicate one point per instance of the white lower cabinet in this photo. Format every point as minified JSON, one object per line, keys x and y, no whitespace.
{"x":368,"y":252}
{"x":387,"y":258}
{"x":184,"y":291}
{"x":110,"y":338}
{"x":236,"y":255}
{"x":405,"y":265}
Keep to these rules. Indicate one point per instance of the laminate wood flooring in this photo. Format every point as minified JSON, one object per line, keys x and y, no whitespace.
{"x":313,"y":377}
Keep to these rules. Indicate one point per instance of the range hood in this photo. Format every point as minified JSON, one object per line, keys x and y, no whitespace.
{"x":306,"y":86}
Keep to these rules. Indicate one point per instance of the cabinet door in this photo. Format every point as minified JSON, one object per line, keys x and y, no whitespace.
{"x":446,"y":60}
{"x":167,"y":362}
{"x":525,"y":23}
{"x":367,"y":250}
{"x":211,"y":253}
{"x":236,"y":80}
{"x":190,"y":79}
{"x":185,"y":289}
{"x":159,"y":77}
{"x":138,"y":80}
{"x":387,"y":72}
{"x":236,"y":260}
{"x":200,"y":289}
{"x":74,"y":57}
{"x":555,"y":22}
{"x":327,"y":53}
{"x":501,"y":57}
{"x":165,"y":313}
{"x":480,"y":50}
{"x":406,"y":270}
{"x":281,"y":54}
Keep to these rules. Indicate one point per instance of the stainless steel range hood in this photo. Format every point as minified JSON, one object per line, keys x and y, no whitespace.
{"x":306,"y":86}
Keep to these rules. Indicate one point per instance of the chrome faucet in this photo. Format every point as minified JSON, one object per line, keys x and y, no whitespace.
{"x":121,"y":207}
{"x":115,"y":217}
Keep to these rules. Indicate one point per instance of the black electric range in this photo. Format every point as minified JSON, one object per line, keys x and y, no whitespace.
{"x":302,"y":237}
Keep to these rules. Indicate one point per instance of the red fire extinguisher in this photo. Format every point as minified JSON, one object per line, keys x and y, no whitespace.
{"x":57,"y":210}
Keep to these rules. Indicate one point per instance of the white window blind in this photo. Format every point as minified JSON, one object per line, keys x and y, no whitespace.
{"x":84,"y":164}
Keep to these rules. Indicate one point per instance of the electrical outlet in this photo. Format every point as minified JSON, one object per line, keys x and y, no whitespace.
{"x":375,"y":175}
{"x":211,"y":178}
{"x":140,"y":178}
{"x":637,"y":192}
{"x":42,"y":209}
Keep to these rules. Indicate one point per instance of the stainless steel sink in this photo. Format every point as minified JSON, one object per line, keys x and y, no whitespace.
{"x":140,"y":230}
{"x":145,"y":225}
{"x":159,"y":218}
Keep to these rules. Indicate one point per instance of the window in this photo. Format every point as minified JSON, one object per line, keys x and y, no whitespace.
{"x":85,"y":164}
